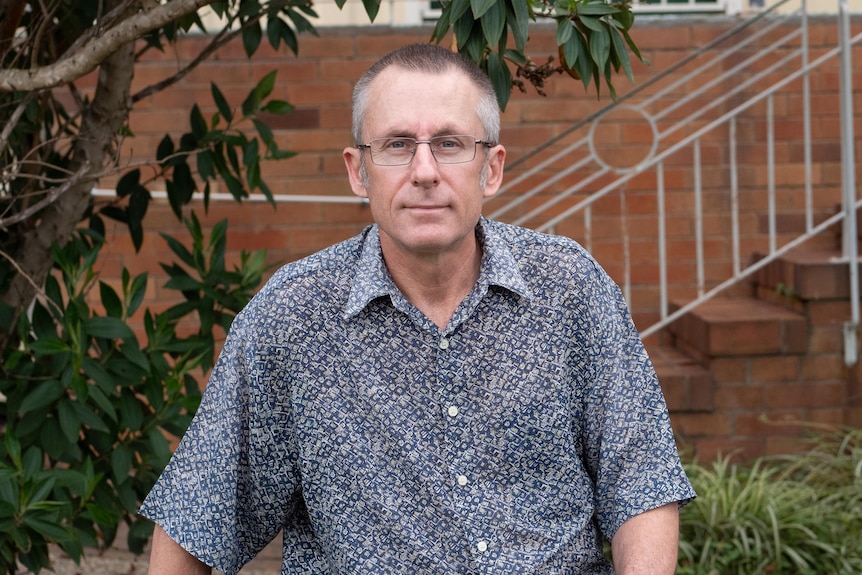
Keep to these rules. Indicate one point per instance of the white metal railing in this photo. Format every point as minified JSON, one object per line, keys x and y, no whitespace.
{"x":678,"y":6}
{"x":702,"y":100}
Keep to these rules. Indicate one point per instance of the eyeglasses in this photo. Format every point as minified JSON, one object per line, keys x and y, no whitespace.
{"x":445,"y":149}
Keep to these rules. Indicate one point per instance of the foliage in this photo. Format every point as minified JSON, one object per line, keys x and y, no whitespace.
{"x":592,"y":37}
{"x":89,"y":407}
{"x":790,"y":515}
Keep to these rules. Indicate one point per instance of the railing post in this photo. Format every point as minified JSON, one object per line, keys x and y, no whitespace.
{"x":848,"y":183}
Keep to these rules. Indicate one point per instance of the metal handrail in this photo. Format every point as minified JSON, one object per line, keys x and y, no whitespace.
{"x":788,"y":48}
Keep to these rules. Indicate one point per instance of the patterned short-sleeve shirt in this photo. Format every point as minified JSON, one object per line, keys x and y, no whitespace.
{"x":512,"y":441}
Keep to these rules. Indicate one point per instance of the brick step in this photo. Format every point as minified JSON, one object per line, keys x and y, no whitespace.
{"x":739,"y":326}
{"x":804,"y":274}
{"x":687,"y":385}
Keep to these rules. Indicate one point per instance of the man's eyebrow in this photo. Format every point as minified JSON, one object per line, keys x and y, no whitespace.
{"x":447,"y":130}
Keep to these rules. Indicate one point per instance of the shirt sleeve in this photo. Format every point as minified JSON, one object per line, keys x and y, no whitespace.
{"x":232,"y":483}
{"x":630,"y":447}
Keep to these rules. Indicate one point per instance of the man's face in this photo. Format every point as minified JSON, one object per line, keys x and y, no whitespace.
{"x":425,"y":209}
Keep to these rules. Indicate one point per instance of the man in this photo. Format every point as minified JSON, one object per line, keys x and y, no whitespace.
{"x":441,"y":394}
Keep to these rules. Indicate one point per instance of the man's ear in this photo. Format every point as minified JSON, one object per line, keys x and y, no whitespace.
{"x":353,"y":163}
{"x":496,"y":161}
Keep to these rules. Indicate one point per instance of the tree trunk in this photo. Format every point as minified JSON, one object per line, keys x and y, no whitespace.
{"x":96,"y":143}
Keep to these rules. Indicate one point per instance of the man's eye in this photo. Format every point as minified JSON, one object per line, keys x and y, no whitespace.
{"x":397,"y":145}
{"x":448,"y":144}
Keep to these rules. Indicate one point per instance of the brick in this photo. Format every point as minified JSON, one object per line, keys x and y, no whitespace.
{"x":736,"y":449}
{"x":768,"y":423}
{"x":824,"y":367}
{"x":702,"y":424}
{"x":775,"y":369}
{"x":805,"y":395}
{"x":739,"y":397}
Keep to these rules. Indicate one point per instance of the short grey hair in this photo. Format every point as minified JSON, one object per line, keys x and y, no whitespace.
{"x":432,"y":59}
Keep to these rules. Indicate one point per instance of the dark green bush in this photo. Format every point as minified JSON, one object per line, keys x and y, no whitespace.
{"x":89,"y":407}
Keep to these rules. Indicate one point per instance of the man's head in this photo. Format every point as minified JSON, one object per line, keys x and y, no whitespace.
{"x":426,"y":123}
{"x":432,"y":59}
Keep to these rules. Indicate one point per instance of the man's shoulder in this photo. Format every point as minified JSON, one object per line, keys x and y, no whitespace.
{"x":525,"y":242}
{"x":323,"y":276}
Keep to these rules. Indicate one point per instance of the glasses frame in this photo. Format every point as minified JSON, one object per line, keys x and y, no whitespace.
{"x":416,"y":143}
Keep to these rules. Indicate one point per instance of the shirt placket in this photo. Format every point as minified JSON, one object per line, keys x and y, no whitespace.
{"x":457,"y":413}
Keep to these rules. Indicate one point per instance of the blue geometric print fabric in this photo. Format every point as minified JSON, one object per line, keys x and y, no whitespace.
{"x":510,"y":442}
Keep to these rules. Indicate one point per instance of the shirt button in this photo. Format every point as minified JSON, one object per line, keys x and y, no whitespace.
{"x":462,"y":480}
{"x":482,"y":546}
{"x":444,"y":343}
{"x":452,"y":411}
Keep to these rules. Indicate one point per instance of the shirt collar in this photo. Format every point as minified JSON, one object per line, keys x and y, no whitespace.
{"x":372,"y":279}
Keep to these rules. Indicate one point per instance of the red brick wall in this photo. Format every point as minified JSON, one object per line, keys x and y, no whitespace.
{"x":319,"y":82}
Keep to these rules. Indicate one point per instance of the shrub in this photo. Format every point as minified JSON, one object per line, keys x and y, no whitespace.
{"x":794,"y":515}
{"x":89,"y":408}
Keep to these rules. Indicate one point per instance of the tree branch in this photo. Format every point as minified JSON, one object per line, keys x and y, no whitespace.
{"x":92,"y":53}
{"x":49,"y":198}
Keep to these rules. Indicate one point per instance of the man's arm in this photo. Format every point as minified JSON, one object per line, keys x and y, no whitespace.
{"x":168,"y":558}
{"x":647,"y":544}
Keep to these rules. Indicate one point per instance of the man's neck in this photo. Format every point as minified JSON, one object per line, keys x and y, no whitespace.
{"x":435,"y":283}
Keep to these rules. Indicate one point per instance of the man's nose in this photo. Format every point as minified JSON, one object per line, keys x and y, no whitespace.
{"x":424,"y":163}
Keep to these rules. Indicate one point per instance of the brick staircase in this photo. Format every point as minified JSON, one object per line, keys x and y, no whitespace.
{"x":750,"y":375}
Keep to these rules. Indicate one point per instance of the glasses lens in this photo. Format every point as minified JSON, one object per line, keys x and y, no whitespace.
{"x":453,"y":149}
{"x":400,"y":151}
{"x":392,"y":151}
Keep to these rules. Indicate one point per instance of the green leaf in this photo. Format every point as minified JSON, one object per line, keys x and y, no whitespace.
{"x":69,"y":422}
{"x":165,"y":149}
{"x":110,"y":300}
{"x":442,"y":25}
{"x":45,"y":525}
{"x":372,"y":7}
{"x":221,"y":102}
{"x":183,"y":283}
{"x":13,"y":447}
{"x":131,"y":413}
{"x":107,"y":327}
{"x":50,"y":346}
{"x":596,"y":8}
{"x":479,"y":7}
{"x":42,"y":395}
{"x":265,"y":135}
{"x":198,"y":125}
{"x":273,"y":31}
{"x":265,"y":86}
{"x":619,"y":47}
{"x":179,"y":250}
{"x":100,"y":398}
{"x":593,"y":24}
{"x":184,"y":183}
{"x":133,"y":354}
{"x":289,"y":38}
{"x":89,"y":418}
{"x":458,"y":8}
{"x":251,"y":38}
{"x":205,"y":164}
{"x":159,"y":444}
{"x":128,"y":182}
{"x":32,"y":463}
{"x":501,"y":78}
{"x":279,"y":107}
{"x":600,"y":47}
{"x":121,"y":463}
{"x":136,"y":294}
{"x":518,"y":18}
{"x":564,"y":32}
{"x":493,"y":23}
{"x":584,"y":64}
